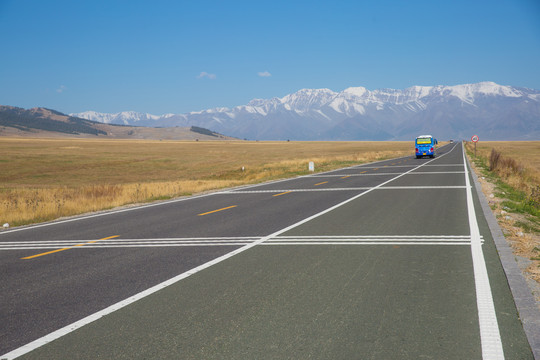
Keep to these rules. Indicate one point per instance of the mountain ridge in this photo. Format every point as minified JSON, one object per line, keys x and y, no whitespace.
{"x":44,"y":122}
{"x":495,"y":112}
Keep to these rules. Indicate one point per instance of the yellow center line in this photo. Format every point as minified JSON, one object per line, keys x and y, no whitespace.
{"x":344,"y":177}
{"x":283,"y":193}
{"x":375,"y":169}
{"x":213,"y":211}
{"x":67,"y":248}
{"x":363,"y":172}
{"x":324,"y":182}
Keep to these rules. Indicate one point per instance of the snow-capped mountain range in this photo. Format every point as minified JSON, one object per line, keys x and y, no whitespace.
{"x":489,"y":110}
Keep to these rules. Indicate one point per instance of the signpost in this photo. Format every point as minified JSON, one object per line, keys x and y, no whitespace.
{"x":475,"y":139}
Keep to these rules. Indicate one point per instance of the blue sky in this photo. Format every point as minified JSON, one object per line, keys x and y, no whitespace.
{"x":181,"y":56}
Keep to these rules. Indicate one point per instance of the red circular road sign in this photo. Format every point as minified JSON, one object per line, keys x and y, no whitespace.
{"x":475,"y":138}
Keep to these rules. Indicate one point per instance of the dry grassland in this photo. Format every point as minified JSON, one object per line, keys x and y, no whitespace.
{"x":525,"y":175}
{"x":44,"y":179}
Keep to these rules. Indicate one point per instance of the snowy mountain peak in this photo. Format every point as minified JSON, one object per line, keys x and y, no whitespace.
{"x":493,"y":89}
{"x":356,"y":92}
{"x":469,"y":92}
{"x":305,"y":99}
{"x":310,"y":93}
{"x":124,"y":117}
{"x":419,"y":92}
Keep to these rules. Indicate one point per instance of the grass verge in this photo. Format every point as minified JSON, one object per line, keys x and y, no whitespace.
{"x":517,"y":184}
{"x":513,"y":191}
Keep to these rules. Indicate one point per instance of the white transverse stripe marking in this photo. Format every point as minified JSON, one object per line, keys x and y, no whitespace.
{"x":369,"y":240}
{"x":341,"y":189}
{"x":89,"y":319}
{"x":241,"y":241}
{"x":489,"y":329}
{"x":388,"y":174}
{"x":401,"y":166}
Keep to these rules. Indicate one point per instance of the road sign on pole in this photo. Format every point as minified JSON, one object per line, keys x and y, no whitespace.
{"x":475,"y":139}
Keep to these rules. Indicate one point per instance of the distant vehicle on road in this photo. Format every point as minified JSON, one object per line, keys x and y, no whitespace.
{"x":425,"y":146}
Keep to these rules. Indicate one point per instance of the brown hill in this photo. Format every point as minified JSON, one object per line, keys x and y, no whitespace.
{"x":43,"y":122}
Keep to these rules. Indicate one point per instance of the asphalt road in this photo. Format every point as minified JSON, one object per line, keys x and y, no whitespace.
{"x":381,"y":261}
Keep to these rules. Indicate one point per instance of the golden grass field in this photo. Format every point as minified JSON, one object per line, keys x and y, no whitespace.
{"x":44,"y":179}
{"x":525,"y":153}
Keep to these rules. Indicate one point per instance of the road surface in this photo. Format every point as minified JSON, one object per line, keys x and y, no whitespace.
{"x":386,"y":260}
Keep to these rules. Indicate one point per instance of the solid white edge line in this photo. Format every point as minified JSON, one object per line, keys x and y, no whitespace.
{"x":489,"y":329}
{"x":119,"y":305}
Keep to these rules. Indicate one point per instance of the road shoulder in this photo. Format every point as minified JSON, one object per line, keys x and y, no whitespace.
{"x":526,"y":305}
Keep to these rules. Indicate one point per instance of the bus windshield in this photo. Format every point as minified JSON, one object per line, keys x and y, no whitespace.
{"x":421,"y":141}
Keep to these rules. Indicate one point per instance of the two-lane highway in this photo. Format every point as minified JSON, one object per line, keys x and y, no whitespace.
{"x":382,"y":260}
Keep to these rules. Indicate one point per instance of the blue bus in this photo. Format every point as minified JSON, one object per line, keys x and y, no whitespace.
{"x":425,"y":146}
